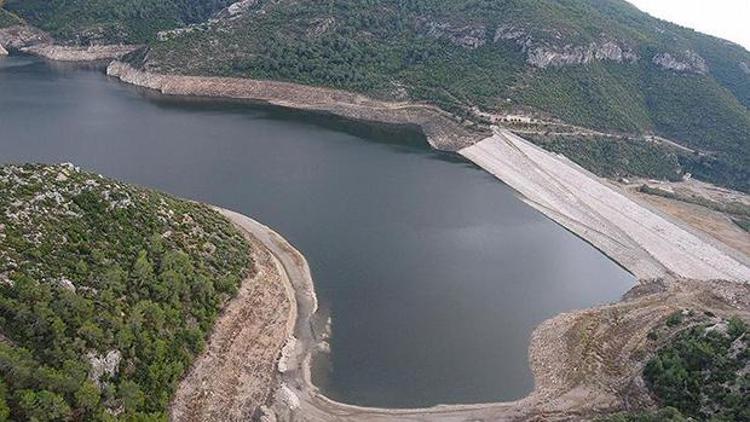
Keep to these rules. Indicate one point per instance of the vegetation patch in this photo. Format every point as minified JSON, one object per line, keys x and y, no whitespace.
{"x":701,"y":373}
{"x":704,"y":372}
{"x":615,"y":158}
{"x":107,"y":292}
{"x":112,"y":21}
{"x":8,"y":19}
{"x":739,"y":210}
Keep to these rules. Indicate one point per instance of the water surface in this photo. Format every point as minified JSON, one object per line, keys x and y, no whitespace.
{"x":434,"y":272}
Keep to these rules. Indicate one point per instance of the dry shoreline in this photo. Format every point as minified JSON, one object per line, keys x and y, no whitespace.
{"x":439,"y":127}
{"x":31,"y":40}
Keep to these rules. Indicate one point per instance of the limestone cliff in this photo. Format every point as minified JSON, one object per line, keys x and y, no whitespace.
{"x":690,"y":62}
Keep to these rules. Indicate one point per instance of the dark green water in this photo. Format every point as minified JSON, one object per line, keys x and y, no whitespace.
{"x":433,"y":271}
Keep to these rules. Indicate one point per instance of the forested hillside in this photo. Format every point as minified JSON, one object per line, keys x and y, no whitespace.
{"x":107,"y":292}
{"x":600,"y":64}
{"x":112,"y":21}
{"x":8,"y":19}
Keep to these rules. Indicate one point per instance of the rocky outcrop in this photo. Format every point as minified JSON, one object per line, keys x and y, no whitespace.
{"x":690,"y":62}
{"x":543,"y":57}
{"x":102,"y":365}
{"x":440,"y":128}
{"x":745,"y":68}
{"x":240,"y":7}
{"x":20,"y":36}
{"x":510,"y":32}
{"x":544,"y":54}
{"x":320,"y":26}
{"x":469,"y":37}
{"x":80,"y":54}
{"x":34,"y":41}
{"x":3,"y":51}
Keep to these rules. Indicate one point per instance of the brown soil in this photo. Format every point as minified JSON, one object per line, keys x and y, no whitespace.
{"x":236,"y":374}
{"x":710,"y":222}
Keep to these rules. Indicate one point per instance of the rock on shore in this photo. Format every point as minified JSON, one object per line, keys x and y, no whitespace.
{"x":20,"y":36}
{"x":80,"y":54}
{"x":3,"y":52}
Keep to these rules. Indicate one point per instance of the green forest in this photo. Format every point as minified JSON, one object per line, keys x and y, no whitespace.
{"x":92,"y":270}
{"x":702,"y":372}
{"x":112,"y":21}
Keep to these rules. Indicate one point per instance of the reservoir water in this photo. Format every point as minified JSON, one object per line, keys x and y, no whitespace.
{"x":434,"y":273}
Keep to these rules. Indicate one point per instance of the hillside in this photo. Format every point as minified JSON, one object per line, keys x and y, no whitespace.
{"x":112,"y":21}
{"x":8,"y":19}
{"x":107,"y":292}
{"x":598,"y":64}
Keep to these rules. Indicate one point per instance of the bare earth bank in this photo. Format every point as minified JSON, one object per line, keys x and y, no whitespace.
{"x":34,"y":41}
{"x":440,"y":128}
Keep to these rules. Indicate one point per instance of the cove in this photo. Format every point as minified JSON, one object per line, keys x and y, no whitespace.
{"x":433,"y":272}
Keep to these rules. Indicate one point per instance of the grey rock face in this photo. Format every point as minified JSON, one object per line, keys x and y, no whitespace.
{"x":103,"y":365}
{"x":469,"y":37}
{"x":20,"y":36}
{"x":691,"y":62}
{"x":745,"y":68}
{"x":509,"y":32}
{"x":544,"y":57}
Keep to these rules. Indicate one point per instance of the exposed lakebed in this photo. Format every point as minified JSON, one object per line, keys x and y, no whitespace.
{"x":434,"y":272}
